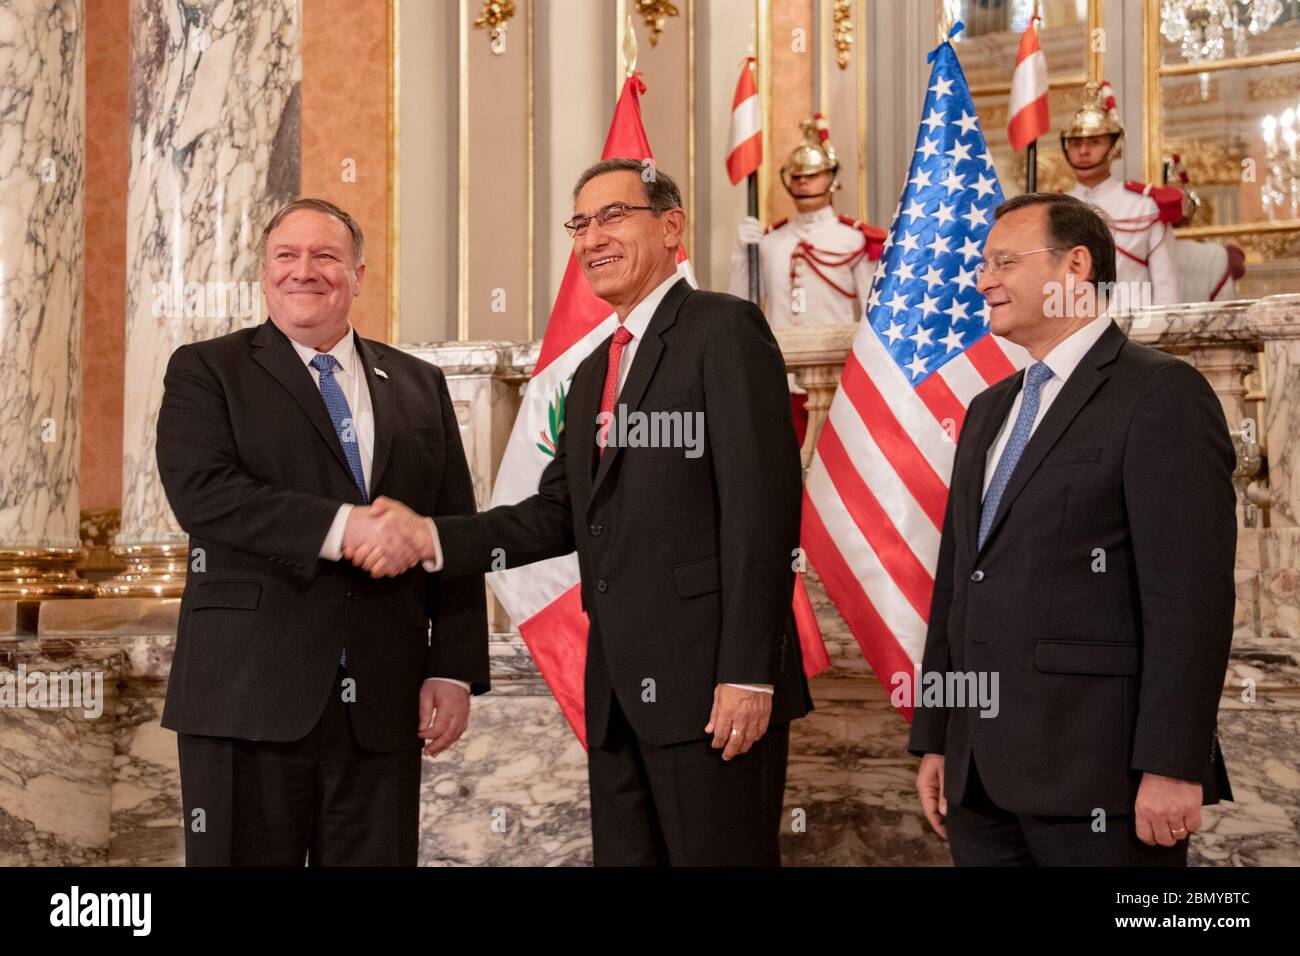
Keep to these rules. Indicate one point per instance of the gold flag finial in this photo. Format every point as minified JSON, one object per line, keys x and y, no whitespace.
{"x":629,"y":47}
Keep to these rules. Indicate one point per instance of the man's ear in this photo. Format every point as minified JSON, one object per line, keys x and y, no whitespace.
{"x":359,"y":272}
{"x":674,"y":227}
{"x":1080,"y":263}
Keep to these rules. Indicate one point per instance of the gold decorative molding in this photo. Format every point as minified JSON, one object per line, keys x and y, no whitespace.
{"x":150,"y":570}
{"x":763,"y":27}
{"x":1270,"y":246}
{"x":1210,"y":161}
{"x":863,"y":206}
{"x":1276,"y":58}
{"x":1054,"y":173}
{"x":462,"y":173}
{"x":42,"y":573}
{"x":394,"y":171}
{"x":655,"y":14}
{"x":495,"y":18}
{"x":1275,"y":87}
{"x":842,"y":16}
{"x":1096,"y":53}
{"x":530,"y":151}
{"x":1152,"y":111}
{"x":1189,"y":94}
{"x":690,"y":124}
{"x":826,"y":32}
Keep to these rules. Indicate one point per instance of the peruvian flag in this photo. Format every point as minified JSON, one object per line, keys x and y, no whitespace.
{"x":745,"y":144}
{"x":1028,"y":111}
{"x":544,"y":599}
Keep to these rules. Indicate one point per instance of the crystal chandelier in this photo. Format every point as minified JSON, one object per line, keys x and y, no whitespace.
{"x":1203,"y":25}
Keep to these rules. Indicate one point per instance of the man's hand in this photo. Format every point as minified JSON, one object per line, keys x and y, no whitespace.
{"x":1166,"y":809}
{"x":929,"y":784}
{"x":750,"y":232}
{"x":739,"y":719}
{"x":387,"y":538}
{"x":444,"y":715}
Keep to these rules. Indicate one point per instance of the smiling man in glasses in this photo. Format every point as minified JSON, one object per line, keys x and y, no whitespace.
{"x":693,"y":668}
{"x":1087,"y":559}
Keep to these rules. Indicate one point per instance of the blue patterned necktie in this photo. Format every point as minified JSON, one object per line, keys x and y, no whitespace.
{"x":336,"y":403}
{"x":1038,"y":374}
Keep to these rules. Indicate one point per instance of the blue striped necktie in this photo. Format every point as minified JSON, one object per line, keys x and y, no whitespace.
{"x":1038,"y":374}
{"x":336,"y":403}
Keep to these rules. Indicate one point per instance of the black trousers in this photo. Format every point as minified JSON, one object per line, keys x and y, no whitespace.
{"x":983,"y":834}
{"x":682,"y":805}
{"x":322,"y":800}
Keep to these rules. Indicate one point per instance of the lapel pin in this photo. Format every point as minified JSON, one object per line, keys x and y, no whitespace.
{"x":380,"y":372}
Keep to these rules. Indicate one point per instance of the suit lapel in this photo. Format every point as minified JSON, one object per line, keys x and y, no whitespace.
{"x":642,"y":370}
{"x":580,"y":409}
{"x":1078,"y":389}
{"x":274,"y":352}
{"x":381,"y":405}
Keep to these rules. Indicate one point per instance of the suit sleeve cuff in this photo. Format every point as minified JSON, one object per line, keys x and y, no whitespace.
{"x":436,"y":563}
{"x":760,"y":688}
{"x":332,"y":548}
{"x":451,"y":680}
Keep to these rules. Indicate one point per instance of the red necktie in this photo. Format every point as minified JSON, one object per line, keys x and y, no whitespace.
{"x":621,"y":337}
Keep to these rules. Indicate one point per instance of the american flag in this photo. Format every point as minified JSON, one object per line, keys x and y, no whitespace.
{"x":874,"y":499}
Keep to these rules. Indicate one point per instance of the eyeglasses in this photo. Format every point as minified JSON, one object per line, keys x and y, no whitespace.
{"x":607,"y":216}
{"x":1003,"y":259}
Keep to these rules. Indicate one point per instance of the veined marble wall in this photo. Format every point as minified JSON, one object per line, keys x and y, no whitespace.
{"x":42,"y":149}
{"x":215,"y":149}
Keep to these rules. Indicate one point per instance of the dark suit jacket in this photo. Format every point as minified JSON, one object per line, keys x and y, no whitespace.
{"x":686,"y":563}
{"x":255,"y":473}
{"x":1104,"y":674}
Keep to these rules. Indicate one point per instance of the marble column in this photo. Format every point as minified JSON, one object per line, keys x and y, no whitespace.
{"x":42,"y":152}
{"x":215,"y":149}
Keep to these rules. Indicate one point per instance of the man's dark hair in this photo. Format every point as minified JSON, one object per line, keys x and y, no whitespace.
{"x":317,"y":205}
{"x":1072,"y":222}
{"x":661,"y":192}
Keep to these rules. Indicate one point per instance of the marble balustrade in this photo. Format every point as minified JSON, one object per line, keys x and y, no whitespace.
{"x":513,"y":791}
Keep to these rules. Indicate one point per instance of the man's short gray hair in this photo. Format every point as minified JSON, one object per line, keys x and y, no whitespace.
{"x":318,"y":205}
{"x":661,"y":192}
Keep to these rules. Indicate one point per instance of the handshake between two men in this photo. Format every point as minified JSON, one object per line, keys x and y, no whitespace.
{"x":387,"y":538}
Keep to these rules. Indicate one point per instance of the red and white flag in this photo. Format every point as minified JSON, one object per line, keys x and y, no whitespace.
{"x":745,"y":144}
{"x":543,"y":599}
{"x":1028,"y":111}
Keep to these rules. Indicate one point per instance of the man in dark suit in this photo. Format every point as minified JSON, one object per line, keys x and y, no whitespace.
{"x":302,"y":688}
{"x":1087,"y":559}
{"x":686,"y":552}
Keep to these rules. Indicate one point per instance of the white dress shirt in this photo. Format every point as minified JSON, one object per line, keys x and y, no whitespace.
{"x":637,"y":321}
{"x":1062,"y":360}
{"x":351,"y":378}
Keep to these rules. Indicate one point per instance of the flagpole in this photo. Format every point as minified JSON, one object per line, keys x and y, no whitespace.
{"x":751,"y":181}
{"x":1031,"y":153}
{"x":751,"y":250}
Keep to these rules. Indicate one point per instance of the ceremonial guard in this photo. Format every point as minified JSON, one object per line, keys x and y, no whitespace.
{"x":1206,"y":270}
{"x":1140,"y":215}
{"x":816,"y":268}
